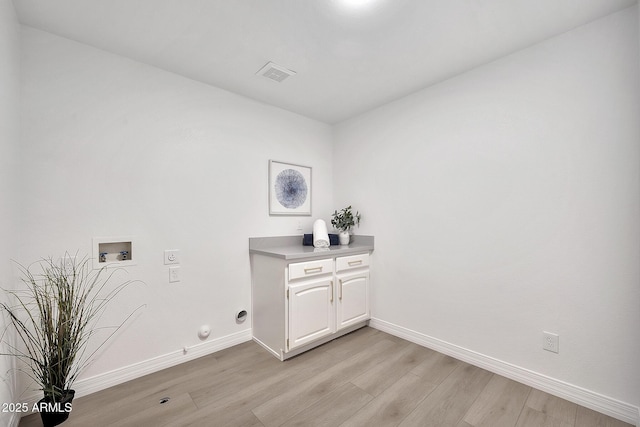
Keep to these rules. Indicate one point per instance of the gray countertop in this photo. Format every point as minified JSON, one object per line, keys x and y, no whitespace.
{"x":290,"y":247}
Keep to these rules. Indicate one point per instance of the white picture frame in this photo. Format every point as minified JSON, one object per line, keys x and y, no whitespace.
{"x":289,"y":189}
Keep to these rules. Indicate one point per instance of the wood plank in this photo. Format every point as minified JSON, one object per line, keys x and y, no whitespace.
{"x":233,"y":404}
{"x":332,"y":409}
{"x":381,"y":376}
{"x":167,"y":414}
{"x":242,"y":419}
{"x":499,"y":404}
{"x":532,"y":418}
{"x":158,"y":415}
{"x":353,"y":343}
{"x":391,"y":406}
{"x":448,"y":403}
{"x":149,"y":389}
{"x":217,"y":386}
{"x":171,"y":385}
{"x":279,"y":409}
{"x":239,"y":419}
{"x":588,"y":418}
{"x":552,"y":406}
{"x":436,"y":367}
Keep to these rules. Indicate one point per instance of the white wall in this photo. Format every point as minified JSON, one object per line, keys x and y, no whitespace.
{"x":9,"y":137}
{"x":505,"y":202}
{"x":113,"y":147}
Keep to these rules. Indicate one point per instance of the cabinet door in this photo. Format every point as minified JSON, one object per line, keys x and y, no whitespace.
{"x":353,"y":298}
{"x":311,"y":311}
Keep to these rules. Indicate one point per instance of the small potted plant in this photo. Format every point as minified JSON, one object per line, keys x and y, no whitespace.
{"x":54,"y":317}
{"x":343,"y":221}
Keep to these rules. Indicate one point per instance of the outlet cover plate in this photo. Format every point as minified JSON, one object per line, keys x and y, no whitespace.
{"x":67,"y":262}
{"x":174,"y":274}
{"x":551,"y":342}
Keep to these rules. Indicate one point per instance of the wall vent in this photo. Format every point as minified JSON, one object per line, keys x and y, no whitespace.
{"x":275,"y":72}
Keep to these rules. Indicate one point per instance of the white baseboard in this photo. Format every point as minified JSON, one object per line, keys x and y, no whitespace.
{"x":118,"y":376}
{"x":603,"y":404}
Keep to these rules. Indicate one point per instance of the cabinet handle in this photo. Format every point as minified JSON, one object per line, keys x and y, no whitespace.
{"x":340,"y":289}
{"x":312,"y":270}
{"x":358,"y":262}
{"x":331,"y":300}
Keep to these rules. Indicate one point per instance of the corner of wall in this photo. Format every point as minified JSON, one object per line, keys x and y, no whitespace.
{"x":9,"y":145}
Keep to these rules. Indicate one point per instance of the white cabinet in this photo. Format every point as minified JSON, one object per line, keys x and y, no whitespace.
{"x":299,"y":305}
{"x":353,"y":299}
{"x":352,"y":276}
{"x":302,"y":270}
{"x":353,"y":262}
{"x":311,"y":314}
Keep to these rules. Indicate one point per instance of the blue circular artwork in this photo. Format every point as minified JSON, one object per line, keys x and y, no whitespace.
{"x":291,"y":188}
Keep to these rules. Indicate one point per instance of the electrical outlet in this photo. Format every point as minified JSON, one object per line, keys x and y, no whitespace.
{"x":67,"y":263}
{"x":551,"y":342}
{"x":174,"y":274}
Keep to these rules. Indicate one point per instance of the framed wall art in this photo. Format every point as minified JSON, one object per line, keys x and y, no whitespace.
{"x":289,"y":189}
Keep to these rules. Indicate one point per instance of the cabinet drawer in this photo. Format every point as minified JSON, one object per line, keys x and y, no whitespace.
{"x":351,"y":262}
{"x":310,"y":268}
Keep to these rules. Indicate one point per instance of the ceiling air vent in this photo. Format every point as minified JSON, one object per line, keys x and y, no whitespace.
{"x":275,"y":72}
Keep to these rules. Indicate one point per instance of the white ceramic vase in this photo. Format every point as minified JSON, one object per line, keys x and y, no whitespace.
{"x":344,"y":237}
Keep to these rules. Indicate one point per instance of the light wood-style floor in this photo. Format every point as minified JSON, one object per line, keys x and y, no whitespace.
{"x":367,"y":378}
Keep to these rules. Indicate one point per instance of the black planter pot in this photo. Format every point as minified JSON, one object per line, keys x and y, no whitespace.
{"x":54,"y":413}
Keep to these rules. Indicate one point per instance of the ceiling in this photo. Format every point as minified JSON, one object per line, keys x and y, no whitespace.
{"x":348,"y":57}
